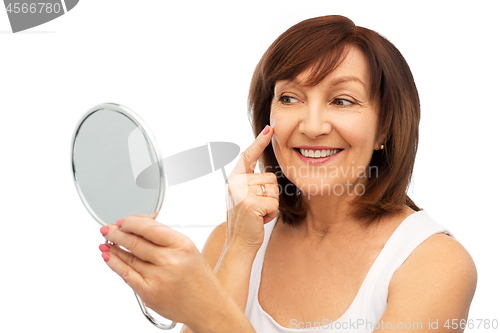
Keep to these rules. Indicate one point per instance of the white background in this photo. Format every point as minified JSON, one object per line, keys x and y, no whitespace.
{"x":186,"y":69}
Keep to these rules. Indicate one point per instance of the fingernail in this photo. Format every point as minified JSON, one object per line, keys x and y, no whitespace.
{"x":105,"y":256}
{"x":119,"y":223}
{"x":266,"y":130}
{"x":104,"y":248}
{"x":104,"y":230}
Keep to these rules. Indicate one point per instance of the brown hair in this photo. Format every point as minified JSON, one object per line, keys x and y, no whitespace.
{"x":320,"y":44}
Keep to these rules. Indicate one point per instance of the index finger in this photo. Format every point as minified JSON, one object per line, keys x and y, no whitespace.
{"x":146,"y":227}
{"x":248,"y":159}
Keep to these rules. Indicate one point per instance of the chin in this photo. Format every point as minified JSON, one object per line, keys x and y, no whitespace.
{"x":329,"y":187}
{"x":313,"y":186}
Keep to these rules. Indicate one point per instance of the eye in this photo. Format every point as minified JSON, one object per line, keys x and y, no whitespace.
{"x":342,"y":102}
{"x":287,"y":99}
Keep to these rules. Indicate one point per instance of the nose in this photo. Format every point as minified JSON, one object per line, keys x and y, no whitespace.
{"x":314,"y":122}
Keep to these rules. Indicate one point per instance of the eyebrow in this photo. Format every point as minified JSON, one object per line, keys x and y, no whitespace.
{"x":343,"y":79}
{"x":335,"y":81}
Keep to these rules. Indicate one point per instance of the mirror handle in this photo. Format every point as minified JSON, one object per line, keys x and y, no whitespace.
{"x":150,"y":317}
{"x":145,"y":309}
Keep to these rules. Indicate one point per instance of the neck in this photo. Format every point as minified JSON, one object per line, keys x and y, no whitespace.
{"x":328,"y":218}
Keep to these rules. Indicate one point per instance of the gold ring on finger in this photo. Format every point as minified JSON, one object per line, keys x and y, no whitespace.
{"x":264,"y":190}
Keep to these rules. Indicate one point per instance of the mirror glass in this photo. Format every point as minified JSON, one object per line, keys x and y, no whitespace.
{"x":110,"y":150}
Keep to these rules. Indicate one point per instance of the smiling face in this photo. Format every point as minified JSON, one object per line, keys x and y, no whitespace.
{"x":325,"y":135}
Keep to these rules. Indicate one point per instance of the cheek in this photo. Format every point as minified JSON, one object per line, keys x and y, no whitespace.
{"x":358,"y":131}
{"x":283,"y":128}
{"x":273,"y":118}
{"x":282,"y":120}
{"x":276,"y":140}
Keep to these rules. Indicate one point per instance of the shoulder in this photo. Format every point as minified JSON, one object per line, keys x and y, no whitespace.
{"x":439,"y":258}
{"x":438,"y":280}
{"x":214,"y":244}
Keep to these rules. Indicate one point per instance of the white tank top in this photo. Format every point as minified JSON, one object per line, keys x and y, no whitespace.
{"x":370,"y":301}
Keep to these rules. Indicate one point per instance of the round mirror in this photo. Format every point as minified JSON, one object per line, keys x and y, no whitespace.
{"x":111,"y":147}
{"x":117,"y":168}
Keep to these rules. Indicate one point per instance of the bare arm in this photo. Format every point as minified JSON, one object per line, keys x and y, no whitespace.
{"x":233,"y":245}
{"x":435,"y":285}
{"x":231,"y":267}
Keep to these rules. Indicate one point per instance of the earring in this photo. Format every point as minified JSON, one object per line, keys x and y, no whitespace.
{"x":381,"y":147}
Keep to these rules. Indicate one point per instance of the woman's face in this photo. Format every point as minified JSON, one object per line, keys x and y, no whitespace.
{"x":334,"y":121}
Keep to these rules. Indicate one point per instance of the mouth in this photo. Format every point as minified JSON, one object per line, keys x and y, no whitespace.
{"x":318,"y":153}
{"x":315,"y":156}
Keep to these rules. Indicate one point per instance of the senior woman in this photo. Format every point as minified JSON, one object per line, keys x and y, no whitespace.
{"x":326,"y":237}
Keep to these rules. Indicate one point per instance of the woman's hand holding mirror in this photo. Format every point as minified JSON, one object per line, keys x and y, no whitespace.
{"x":165,"y":269}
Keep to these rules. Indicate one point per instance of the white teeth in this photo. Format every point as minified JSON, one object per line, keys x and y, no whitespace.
{"x":319,"y":153}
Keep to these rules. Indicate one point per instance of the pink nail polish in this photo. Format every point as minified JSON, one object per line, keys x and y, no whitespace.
{"x":104,"y":248}
{"x":119,"y":223}
{"x":105,"y":256}
{"x":266,"y":130}
{"x":104,"y":230}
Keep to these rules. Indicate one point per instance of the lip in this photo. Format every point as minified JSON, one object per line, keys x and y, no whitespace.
{"x":317,"y":147}
{"x":319,"y":160}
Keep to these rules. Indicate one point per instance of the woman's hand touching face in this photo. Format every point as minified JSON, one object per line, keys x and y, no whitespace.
{"x":163,"y":267}
{"x":248,"y":207}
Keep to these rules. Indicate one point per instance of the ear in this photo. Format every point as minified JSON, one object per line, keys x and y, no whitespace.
{"x":380,"y":135}
{"x":379,"y":142}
